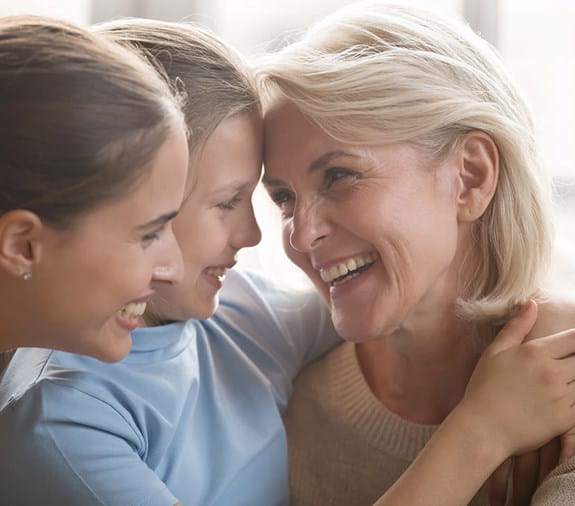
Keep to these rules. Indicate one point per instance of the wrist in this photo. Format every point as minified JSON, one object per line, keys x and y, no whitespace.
{"x":481,"y":437}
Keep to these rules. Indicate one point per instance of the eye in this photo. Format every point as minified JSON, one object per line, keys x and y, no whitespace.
{"x":335,"y":174}
{"x":229,"y":205}
{"x":150,"y":237}
{"x":281,"y":196}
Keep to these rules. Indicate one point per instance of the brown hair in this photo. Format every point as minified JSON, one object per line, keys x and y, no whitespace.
{"x":217,"y":82}
{"x":80,"y":118}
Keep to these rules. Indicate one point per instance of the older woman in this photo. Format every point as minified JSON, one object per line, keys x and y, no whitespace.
{"x":403,"y":161}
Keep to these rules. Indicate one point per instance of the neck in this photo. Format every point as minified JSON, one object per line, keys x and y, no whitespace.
{"x":420,"y":378}
{"x":420,"y":370}
{"x":17,"y":315}
{"x":14,"y":332}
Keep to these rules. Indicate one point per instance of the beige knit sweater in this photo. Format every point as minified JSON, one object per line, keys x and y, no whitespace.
{"x":347,"y":449}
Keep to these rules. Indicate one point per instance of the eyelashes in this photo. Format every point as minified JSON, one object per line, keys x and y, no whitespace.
{"x":229,"y":205}
{"x":335,"y":174}
{"x":283,"y":197}
{"x":150,"y":237}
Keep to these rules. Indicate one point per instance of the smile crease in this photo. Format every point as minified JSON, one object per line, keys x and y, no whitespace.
{"x":348,"y":269}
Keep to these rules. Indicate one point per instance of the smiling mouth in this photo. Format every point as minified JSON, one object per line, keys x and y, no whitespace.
{"x":345,"y":271}
{"x":133,"y":310}
{"x":217,"y":272}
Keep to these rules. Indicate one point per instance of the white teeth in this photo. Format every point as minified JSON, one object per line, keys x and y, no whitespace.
{"x":341,"y":269}
{"x":133,"y":310}
{"x":217,"y":272}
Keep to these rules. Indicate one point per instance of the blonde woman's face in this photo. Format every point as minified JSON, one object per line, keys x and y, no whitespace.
{"x":217,"y":218}
{"x":374,"y":227}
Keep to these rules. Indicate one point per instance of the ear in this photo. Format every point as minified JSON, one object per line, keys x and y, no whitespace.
{"x":478,"y":160}
{"x":20,"y":249}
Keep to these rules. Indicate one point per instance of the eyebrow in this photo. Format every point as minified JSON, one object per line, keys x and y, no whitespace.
{"x":314,"y":166}
{"x":236,"y":186}
{"x":156,"y":222}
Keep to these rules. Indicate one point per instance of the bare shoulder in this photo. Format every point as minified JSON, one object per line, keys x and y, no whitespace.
{"x":556,"y":314}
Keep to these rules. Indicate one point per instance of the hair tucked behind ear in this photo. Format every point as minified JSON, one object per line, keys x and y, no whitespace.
{"x":375,"y":72}
{"x":80,"y":120}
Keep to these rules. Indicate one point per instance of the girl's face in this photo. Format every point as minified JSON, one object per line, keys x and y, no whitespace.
{"x":217,"y":218}
{"x":96,"y":277}
{"x":375,"y":227}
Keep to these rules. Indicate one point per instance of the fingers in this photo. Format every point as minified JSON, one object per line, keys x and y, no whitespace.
{"x":498,"y":484}
{"x":558,"y":345}
{"x":566,"y":368}
{"x":515,"y":330}
{"x":525,"y":476}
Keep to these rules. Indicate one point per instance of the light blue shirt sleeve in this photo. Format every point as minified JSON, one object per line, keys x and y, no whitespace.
{"x":92,"y":451}
{"x":280,"y":330}
{"x":192,"y":414}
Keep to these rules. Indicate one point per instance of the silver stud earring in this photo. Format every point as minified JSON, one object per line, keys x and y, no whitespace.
{"x":27,"y":276}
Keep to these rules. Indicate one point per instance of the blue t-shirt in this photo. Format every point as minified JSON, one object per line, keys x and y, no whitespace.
{"x":192,"y":414}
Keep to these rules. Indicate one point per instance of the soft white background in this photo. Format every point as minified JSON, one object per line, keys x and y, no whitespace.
{"x":536,"y":39}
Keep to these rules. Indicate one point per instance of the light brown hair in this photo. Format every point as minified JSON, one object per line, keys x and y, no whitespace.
{"x":80,"y":118}
{"x":216,"y":80}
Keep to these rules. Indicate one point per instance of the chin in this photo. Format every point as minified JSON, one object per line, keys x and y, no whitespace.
{"x":203,"y":311}
{"x":108,"y":348}
{"x":356,"y":331}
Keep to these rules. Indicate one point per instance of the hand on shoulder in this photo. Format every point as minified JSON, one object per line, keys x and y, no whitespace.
{"x":556,"y":314}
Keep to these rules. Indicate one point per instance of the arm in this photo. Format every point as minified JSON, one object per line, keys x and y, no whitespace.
{"x":512,"y":383}
{"x":559,"y":486}
{"x":279,"y":330}
{"x":62,"y":446}
{"x":454,"y":464}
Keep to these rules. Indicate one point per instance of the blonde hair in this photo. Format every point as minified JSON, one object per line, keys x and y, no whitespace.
{"x":216,"y":80}
{"x":375,"y":72}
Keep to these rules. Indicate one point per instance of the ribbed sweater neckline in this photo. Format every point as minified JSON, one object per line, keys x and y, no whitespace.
{"x":354,"y":401}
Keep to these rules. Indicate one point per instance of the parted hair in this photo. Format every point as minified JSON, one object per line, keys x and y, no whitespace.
{"x":214,"y":78}
{"x":80,"y":118}
{"x":374,"y":72}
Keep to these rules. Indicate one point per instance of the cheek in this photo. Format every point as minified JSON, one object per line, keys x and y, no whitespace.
{"x":303,"y":262}
{"x":296,"y":257}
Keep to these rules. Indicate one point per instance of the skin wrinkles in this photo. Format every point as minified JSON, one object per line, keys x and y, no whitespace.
{"x":391,"y":199}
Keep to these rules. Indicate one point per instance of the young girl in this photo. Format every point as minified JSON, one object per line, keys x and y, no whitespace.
{"x":193,"y":414}
{"x":92,"y":165}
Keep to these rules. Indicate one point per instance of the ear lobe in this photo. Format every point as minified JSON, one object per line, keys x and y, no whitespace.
{"x":19,"y":247}
{"x":478,"y":173}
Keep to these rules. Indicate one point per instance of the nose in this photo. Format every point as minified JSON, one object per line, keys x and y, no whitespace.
{"x":246,"y":231}
{"x":169,"y":266}
{"x":308,"y":228}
